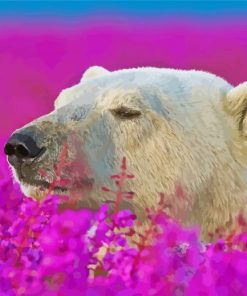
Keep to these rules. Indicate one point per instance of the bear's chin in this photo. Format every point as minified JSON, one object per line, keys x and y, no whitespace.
{"x":39,"y":193}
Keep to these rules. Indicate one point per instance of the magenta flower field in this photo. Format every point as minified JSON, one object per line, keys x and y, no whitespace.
{"x":45,"y":250}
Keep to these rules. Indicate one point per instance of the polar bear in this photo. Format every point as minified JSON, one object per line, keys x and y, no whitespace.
{"x":183,"y":127}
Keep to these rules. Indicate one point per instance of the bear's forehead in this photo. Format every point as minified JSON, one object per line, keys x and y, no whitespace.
{"x":122,"y":87}
{"x":135,"y":85}
{"x":103,"y":92}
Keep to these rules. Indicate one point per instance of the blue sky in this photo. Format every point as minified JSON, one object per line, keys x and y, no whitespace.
{"x":70,"y":9}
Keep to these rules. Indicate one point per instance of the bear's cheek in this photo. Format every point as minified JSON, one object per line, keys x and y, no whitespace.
{"x":36,"y":193}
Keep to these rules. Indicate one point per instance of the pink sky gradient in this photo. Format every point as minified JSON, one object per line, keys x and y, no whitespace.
{"x":39,"y":59}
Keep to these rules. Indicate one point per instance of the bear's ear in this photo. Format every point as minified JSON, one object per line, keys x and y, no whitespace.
{"x":67,"y":95}
{"x":94,"y":72}
{"x":63,"y":99}
{"x":236,"y":106}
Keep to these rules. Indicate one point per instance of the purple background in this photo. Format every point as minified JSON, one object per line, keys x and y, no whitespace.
{"x":44,"y":51}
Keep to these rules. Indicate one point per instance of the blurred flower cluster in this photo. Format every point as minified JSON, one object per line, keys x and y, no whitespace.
{"x":45,"y":250}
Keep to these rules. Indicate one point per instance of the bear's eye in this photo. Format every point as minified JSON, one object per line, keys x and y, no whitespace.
{"x":125,"y":113}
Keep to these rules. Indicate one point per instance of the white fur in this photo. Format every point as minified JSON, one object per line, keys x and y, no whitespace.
{"x":187,"y":133}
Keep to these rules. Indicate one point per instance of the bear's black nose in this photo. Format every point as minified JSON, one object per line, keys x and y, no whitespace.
{"x":22,"y":147}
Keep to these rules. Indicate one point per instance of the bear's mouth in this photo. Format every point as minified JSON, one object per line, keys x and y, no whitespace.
{"x":40,"y":184}
{"x":43,"y":185}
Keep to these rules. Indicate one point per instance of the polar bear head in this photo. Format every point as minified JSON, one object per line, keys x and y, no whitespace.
{"x":173,"y":126}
